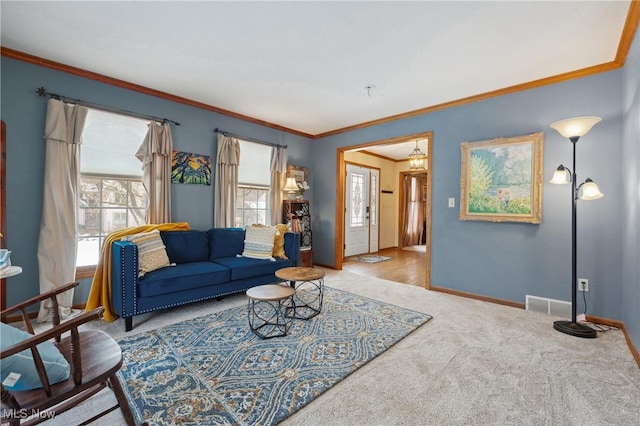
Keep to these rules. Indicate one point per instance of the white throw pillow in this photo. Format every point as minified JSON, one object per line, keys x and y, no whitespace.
{"x":258,"y":242}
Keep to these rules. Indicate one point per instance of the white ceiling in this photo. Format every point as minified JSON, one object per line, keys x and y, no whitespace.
{"x":304,"y":65}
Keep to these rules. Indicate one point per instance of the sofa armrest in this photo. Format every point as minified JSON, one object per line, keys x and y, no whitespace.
{"x":124,"y":277}
{"x":292,"y":247}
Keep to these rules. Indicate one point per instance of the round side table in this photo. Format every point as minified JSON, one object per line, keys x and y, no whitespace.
{"x":6,"y":273}
{"x":10,"y":272}
{"x":267,"y":310}
{"x":309,"y":285}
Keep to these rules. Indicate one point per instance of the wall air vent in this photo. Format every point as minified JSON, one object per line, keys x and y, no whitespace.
{"x":557,"y":308}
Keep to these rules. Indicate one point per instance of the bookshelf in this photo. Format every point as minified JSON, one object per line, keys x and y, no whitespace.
{"x":300,"y":222}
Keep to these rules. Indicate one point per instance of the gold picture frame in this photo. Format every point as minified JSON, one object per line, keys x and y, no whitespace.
{"x":301,"y":174}
{"x":501,"y":179}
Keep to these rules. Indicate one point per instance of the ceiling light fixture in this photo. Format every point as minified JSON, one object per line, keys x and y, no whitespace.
{"x":368,"y":88}
{"x":416,"y":159}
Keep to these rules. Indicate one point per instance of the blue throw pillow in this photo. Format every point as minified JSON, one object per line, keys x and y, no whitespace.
{"x":186,"y":246}
{"x":22,"y":363}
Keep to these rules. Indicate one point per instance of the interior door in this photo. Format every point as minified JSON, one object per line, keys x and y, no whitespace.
{"x":356,"y":221}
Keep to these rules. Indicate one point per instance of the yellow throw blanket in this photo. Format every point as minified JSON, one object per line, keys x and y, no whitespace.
{"x":100,"y":293}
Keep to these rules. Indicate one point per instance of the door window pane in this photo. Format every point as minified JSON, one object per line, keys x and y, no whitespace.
{"x":357,"y":199}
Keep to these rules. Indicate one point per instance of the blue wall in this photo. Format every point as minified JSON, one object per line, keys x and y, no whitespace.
{"x":510,"y":260}
{"x":631,"y":188}
{"x":23,"y":111}
{"x":505,"y":260}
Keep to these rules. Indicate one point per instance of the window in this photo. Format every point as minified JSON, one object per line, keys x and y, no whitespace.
{"x":374,"y":199}
{"x":252,"y":206}
{"x":112,"y":196}
{"x":254,"y":180}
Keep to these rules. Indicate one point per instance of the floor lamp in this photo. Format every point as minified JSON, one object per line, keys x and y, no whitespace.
{"x":573,"y":129}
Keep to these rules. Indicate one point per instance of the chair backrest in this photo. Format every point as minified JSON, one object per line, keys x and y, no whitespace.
{"x":89,"y":370}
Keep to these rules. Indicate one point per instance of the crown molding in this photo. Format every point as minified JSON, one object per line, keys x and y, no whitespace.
{"x":25,"y":57}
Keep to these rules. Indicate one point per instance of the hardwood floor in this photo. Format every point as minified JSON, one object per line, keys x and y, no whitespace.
{"x":406,"y":266}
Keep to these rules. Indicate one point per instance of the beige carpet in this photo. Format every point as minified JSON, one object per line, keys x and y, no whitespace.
{"x":476,"y":363}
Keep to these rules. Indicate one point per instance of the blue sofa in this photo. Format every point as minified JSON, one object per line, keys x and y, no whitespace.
{"x":207,"y":266}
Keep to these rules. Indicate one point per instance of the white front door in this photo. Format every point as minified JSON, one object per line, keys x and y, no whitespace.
{"x":356,"y":232}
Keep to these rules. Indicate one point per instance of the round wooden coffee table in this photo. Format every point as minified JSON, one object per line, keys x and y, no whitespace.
{"x":309,"y":286}
{"x":267,"y":310}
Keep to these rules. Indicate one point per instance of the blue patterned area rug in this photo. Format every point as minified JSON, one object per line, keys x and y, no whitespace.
{"x":214,"y":370}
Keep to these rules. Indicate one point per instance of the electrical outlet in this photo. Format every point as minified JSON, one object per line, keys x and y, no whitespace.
{"x":583,"y":284}
{"x":452,"y":202}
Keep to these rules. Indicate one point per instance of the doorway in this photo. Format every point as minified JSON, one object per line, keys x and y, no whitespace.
{"x":412,"y":209}
{"x":388,"y":187}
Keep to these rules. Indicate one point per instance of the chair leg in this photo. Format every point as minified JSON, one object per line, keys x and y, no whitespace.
{"x":128,"y":324}
{"x":115,"y":385}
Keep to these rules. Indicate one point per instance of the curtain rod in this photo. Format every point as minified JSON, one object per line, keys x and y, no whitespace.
{"x":217,"y":130}
{"x":42,"y":92}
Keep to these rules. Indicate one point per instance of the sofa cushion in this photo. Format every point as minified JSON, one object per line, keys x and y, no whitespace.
{"x":182,"y":277}
{"x":22,"y":363}
{"x":258,"y":242}
{"x":246,"y":267}
{"x":225,"y":242}
{"x":186,"y":246}
{"x":152,"y":254}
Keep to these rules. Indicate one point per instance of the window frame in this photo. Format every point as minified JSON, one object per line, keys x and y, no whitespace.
{"x":88,"y":271}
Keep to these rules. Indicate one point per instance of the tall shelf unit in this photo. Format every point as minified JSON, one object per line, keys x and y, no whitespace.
{"x":300,"y":216}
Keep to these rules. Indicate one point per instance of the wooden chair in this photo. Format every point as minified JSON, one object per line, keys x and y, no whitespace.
{"x":94,"y":358}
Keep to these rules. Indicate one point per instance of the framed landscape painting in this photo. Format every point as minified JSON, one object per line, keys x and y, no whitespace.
{"x":501,"y":179}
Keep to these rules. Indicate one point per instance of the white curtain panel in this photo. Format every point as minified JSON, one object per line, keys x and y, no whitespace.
{"x":278,"y":175}
{"x":226,"y":184}
{"x":155,"y":155}
{"x":58,"y":245}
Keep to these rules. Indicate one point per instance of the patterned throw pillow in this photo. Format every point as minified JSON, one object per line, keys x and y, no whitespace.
{"x":278,"y":242}
{"x":152,"y":253}
{"x":258,"y":242}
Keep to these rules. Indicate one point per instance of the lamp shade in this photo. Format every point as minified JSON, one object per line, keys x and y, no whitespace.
{"x":290,"y":185}
{"x":575,"y":127}
{"x":561,"y":176}
{"x":590,"y":191}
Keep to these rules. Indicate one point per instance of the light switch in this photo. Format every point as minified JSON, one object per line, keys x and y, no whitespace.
{"x":452,"y":202}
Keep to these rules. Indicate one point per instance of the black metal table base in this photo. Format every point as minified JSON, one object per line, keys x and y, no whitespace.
{"x":307,"y":302}
{"x":267,"y":318}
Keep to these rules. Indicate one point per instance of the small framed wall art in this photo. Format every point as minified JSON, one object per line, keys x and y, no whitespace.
{"x":301,"y":174}
{"x":190,"y":168}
